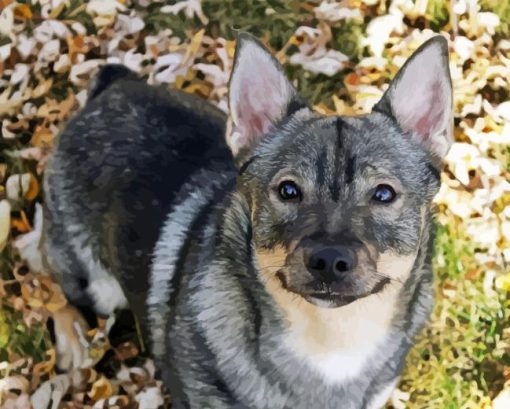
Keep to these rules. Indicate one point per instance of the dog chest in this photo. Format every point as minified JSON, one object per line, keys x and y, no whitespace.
{"x":338,"y":344}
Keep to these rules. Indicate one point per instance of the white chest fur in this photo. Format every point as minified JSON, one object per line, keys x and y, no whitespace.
{"x":335,"y":367}
{"x":338,"y":343}
{"x":338,"y":346}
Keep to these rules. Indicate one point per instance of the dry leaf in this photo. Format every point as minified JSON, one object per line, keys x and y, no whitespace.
{"x":5,"y":222}
{"x":23,"y":11}
{"x":101,"y":389}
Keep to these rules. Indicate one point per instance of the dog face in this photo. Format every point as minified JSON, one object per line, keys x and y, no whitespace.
{"x":338,"y":204}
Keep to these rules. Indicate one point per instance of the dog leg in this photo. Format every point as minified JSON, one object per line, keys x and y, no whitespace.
{"x":70,"y":343}
{"x":379,"y":400}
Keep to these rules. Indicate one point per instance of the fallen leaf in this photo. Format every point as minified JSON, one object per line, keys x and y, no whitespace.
{"x":17,"y":186}
{"x":23,"y":11}
{"x":5,"y":222}
{"x":101,"y":389}
{"x":190,"y":8}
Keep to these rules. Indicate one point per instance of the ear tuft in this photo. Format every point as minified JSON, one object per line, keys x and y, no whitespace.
{"x":259,"y":94}
{"x":420,"y":97}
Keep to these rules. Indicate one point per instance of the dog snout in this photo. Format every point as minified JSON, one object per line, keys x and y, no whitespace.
{"x":330,"y":264}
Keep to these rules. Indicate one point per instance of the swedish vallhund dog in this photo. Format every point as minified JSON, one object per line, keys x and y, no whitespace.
{"x":287,"y":265}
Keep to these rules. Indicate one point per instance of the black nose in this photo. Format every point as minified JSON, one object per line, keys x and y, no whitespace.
{"x":330,"y":264}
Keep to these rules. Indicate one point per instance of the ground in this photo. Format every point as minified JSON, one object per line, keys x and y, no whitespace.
{"x":341,"y":55}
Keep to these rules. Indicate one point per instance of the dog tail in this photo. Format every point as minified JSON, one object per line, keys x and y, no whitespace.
{"x":107,"y":75}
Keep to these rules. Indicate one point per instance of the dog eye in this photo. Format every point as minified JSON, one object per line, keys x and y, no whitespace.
{"x":384,"y":194}
{"x":288,"y":190}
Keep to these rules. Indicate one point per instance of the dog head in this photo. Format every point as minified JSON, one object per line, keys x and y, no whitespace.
{"x":338,"y":204}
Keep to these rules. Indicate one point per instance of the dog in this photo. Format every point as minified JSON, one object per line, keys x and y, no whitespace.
{"x":286,"y":265}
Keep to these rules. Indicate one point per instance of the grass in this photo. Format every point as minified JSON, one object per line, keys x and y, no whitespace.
{"x":274,"y":22}
{"x":460,"y":359}
{"x":17,"y":337}
{"x":27,"y":341}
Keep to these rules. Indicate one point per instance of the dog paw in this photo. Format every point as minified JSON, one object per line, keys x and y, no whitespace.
{"x":71,"y":345}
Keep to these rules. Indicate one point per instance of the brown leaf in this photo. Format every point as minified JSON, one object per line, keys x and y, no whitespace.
{"x":473,"y":274}
{"x":3,"y":171}
{"x":47,"y":366}
{"x":23,"y":11}
{"x":352,"y":79}
{"x":53,"y":110}
{"x":21,"y":223}
{"x":195,"y":44}
{"x":33,"y":190}
{"x":42,"y":137}
{"x":42,"y":87}
{"x":5,"y":3}
{"x":19,"y":125}
{"x":82,"y":45}
{"x":40,"y":291}
{"x":200,"y":88}
{"x":101,"y":389}
{"x":8,"y":103}
{"x":31,"y":296}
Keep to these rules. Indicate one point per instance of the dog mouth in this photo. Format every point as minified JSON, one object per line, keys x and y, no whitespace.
{"x":329,"y":298}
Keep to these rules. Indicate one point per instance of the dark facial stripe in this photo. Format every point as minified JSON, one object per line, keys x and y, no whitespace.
{"x":349,"y":169}
{"x":334,"y":188}
{"x":321,"y":167}
{"x":339,"y":128}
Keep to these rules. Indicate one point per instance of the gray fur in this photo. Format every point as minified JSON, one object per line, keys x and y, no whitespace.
{"x":219,"y":338}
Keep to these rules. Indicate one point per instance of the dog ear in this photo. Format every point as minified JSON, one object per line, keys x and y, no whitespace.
{"x":260,"y":95}
{"x":107,"y":75}
{"x":420,"y":97}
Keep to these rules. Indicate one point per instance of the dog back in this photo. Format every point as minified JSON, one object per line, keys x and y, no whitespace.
{"x":112,"y":179}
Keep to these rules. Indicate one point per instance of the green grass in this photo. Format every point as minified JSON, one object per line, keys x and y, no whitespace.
{"x":439,"y":13}
{"x":459,"y":359}
{"x":275,"y":22}
{"x":19,"y":339}
{"x":16,"y":337}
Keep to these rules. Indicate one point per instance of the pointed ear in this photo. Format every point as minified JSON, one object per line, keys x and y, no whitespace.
{"x":260,"y":95}
{"x":420,"y":97}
